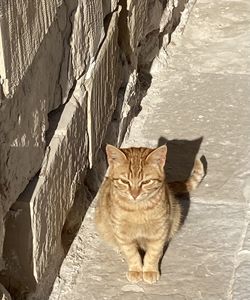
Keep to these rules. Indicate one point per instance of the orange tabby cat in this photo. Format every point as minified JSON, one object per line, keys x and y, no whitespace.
{"x":136,"y":208}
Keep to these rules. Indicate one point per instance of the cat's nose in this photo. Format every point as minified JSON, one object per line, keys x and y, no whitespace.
{"x":135,"y":193}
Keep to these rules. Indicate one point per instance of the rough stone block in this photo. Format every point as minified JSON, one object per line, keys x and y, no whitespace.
{"x":23,"y":27}
{"x":4,"y":294}
{"x":1,"y":235}
{"x":50,"y":203}
{"x":102,"y":85}
{"x":88,"y":33}
{"x":17,"y":250}
{"x":49,"y":197}
{"x":143,"y":21}
{"x":137,"y":13}
{"x":153,"y":18}
{"x":109,"y":6}
{"x":23,"y":118}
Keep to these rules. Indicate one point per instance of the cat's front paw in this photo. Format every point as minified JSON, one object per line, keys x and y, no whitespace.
{"x":151,"y":276}
{"x":134,"y":276}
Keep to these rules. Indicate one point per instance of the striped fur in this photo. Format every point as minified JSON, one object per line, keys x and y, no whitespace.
{"x":136,"y":208}
{"x":192,"y":182}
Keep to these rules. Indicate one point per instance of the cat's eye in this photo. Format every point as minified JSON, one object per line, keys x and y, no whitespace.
{"x":124,"y":181}
{"x":147,"y":181}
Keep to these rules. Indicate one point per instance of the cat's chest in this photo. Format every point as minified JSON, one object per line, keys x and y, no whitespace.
{"x":140,"y":225}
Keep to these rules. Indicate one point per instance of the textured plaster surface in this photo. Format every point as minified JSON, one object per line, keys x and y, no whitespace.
{"x":202,"y":91}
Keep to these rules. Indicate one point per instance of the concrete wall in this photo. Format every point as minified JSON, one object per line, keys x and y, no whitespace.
{"x":68,"y":69}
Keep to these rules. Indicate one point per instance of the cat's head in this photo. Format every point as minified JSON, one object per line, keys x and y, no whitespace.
{"x":136,"y":173}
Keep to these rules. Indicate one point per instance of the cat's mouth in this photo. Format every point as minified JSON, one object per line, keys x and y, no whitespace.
{"x":140,"y":198}
{"x":145,"y":196}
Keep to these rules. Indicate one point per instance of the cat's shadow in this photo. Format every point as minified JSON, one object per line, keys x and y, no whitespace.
{"x":180,"y":159}
{"x":181,"y":155}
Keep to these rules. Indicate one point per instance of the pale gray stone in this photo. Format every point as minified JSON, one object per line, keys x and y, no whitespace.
{"x":21,"y":37}
{"x":67,"y":154}
{"x":41,"y":211}
{"x":241,"y":288}
{"x":246,"y":243}
{"x":102,"y":93}
{"x":24,"y":117}
{"x":88,"y":33}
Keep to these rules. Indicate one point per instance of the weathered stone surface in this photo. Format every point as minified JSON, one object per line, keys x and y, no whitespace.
{"x":137,"y":13}
{"x":1,"y":235}
{"x":241,"y":289}
{"x":4,"y":294}
{"x":88,"y":33}
{"x":132,"y":22}
{"x":49,"y":197}
{"x":67,"y":154}
{"x":161,"y":21}
{"x":168,"y":30}
{"x":154,"y":15}
{"x":24,"y":117}
{"x":23,"y":27}
{"x":102,"y":87}
{"x":88,"y":268}
{"x":109,"y":6}
{"x":18,"y":244}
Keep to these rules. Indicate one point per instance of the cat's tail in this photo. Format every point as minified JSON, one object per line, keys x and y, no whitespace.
{"x":192,"y":182}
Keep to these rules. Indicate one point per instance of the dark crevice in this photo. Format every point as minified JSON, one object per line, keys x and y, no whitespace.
{"x":82,"y":201}
{"x":17,"y":248}
{"x":55,"y":115}
{"x":124,"y":35}
{"x":170,"y":28}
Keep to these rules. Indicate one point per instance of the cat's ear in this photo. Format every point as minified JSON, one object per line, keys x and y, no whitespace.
{"x":158,"y":156}
{"x":115,"y":155}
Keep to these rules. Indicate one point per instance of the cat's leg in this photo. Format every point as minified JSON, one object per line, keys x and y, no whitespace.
{"x":104,"y":227}
{"x":134,"y":262}
{"x":151,"y":260}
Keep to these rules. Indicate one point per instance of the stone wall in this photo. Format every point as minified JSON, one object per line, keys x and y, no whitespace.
{"x":70,"y":71}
